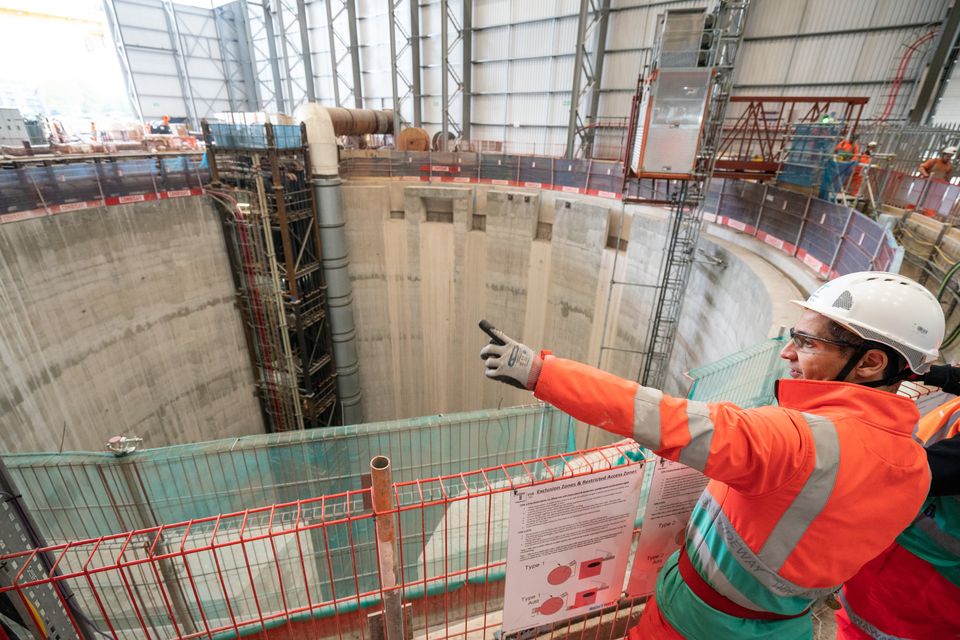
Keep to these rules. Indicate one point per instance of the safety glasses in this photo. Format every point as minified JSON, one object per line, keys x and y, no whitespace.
{"x":807,"y":342}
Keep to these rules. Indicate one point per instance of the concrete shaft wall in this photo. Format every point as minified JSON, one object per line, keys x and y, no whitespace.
{"x":121,"y":320}
{"x":428,"y":262}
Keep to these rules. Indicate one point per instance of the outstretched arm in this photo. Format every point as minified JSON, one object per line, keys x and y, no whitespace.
{"x":753,"y":450}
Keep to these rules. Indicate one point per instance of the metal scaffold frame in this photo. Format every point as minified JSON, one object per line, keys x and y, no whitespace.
{"x":756,"y":142}
{"x":344,"y":86}
{"x":266,"y":62}
{"x":405,"y":85}
{"x":685,"y":194}
{"x":233,"y":34}
{"x":728,"y":27}
{"x":291,"y":29}
{"x":587,"y":76}
{"x":462,"y":25}
{"x":276,"y":257}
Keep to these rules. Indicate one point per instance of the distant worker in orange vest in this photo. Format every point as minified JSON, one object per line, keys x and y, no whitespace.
{"x":863,"y":160}
{"x":912,"y":589}
{"x":803,"y":493}
{"x":847,"y":149}
{"x":837,"y":168}
{"x":162,"y":128}
{"x":941,"y":167}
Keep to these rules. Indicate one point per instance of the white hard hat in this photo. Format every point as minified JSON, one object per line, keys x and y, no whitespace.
{"x":950,"y":150}
{"x":886,"y":308}
{"x":872,"y":143}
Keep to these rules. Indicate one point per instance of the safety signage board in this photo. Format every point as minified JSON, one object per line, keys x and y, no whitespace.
{"x":568,"y":546}
{"x":674,"y":492}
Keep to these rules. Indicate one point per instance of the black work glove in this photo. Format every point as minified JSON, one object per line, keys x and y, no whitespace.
{"x":945,"y":376}
{"x":512,"y":363}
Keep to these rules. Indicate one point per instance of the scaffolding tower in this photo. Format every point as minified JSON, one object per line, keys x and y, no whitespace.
{"x":261,"y":179}
{"x":711,"y":46}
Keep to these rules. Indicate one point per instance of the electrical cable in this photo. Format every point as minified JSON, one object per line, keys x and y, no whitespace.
{"x":255,"y":303}
{"x":946,"y":279}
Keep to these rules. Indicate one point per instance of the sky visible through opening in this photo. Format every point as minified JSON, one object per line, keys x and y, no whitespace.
{"x":63,"y":64}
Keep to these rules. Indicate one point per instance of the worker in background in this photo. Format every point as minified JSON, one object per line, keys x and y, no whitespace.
{"x":847,"y":149}
{"x":162,"y":128}
{"x":846,"y":156}
{"x":940,"y":167}
{"x":944,"y":421}
{"x":783,"y":522}
{"x":839,"y":165}
{"x":863,"y":160}
{"x":912,"y":589}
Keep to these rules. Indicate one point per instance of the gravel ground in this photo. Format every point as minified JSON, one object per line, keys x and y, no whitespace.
{"x":824,"y":624}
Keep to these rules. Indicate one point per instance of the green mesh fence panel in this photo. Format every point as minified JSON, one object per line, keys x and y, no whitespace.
{"x":75,"y":496}
{"x":745,"y":378}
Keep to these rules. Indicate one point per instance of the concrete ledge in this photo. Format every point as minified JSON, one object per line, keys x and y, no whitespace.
{"x":802,"y":276}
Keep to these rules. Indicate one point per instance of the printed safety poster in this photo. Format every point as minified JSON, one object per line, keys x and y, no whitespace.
{"x":674,"y":491}
{"x":568,"y":546}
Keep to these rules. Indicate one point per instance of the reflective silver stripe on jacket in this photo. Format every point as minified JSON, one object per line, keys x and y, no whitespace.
{"x":942,"y":432}
{"x":789,"y":529}
{"x":697,"y":548}
{"x":646,"y":417}
{"x":746,"y":558}
{"x":700,"y":425}
{"x":865,"y":626}
{"x":812,"y":497}
{"x":646,"y":426}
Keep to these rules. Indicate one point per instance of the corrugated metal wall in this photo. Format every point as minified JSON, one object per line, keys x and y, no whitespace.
{"x":523,"y":53}
{"x":153,"y":47}
{"x":836,"y":48}
{"x":523,"y":68}
{"x":948,"y":109}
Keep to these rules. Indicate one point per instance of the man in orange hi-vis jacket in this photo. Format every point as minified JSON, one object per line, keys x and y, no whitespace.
{"x":802,"y":494}
{"x":940,"y":167}
{"x":912,"y":589}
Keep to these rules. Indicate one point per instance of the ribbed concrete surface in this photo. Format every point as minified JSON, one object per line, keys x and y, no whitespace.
{"x":428,"y":262}
{"x":120,"y":320}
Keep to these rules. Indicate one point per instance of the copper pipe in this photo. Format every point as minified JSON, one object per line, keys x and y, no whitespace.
{"x":383,"y":509}
{"x":358,"y":122}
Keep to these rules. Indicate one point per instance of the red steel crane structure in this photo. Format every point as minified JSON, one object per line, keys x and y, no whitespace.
{"x":757,"y":135}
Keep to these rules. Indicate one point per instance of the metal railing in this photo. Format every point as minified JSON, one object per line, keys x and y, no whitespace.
{"x":593,"y":177}
{"x":933,"y":197}
{"x":308,"y":568}
{"x":84,"y":495}
{"x":38,"y":186}
{"x":142,"y":550}
{"x":745,"y":378}
{"x":831,"y":239}
{"x":908,"y":145}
